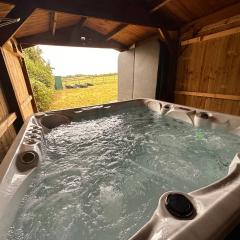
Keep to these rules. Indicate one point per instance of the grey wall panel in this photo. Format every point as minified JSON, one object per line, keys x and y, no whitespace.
{"x":138,"y":71}
{"x":146,"y":69}
{"x":125,"y":75}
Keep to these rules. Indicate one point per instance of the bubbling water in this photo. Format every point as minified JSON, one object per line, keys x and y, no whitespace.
{"x":102,"y":178}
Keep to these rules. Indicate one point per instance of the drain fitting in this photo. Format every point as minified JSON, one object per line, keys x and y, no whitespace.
{"x":27,"y":160}
{"x":179,"y":206}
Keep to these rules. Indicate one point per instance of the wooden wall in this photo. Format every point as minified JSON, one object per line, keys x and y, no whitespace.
{"x":208,"y":74}
{"x":16,"y":102}
{"x":7,"y":133}
{"x":14,"y":60}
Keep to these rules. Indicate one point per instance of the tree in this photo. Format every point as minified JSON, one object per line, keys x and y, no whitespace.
{"x":41,"y":77}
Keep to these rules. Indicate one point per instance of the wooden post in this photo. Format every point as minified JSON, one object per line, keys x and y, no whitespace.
{"x":172,"y":69}
{"x":27,"y":81}
{"x":171,"y":57}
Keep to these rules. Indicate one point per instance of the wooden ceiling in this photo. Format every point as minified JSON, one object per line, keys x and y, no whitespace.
{"x":103,"y":23}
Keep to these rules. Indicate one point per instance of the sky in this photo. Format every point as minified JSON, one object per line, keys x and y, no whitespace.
{"x":73,"y":60}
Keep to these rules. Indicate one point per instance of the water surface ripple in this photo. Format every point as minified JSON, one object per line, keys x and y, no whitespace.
{"x":102,"y":178}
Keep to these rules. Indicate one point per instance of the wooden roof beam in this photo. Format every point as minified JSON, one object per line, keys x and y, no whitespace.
{"x":72,"y":36}
{"x":115,"y":31}
{"x":164,"y":36}
{"x":170,"y":41}
{"x":13,"y":2}
{"x":53,"y":22}
{"x":22,"y":10}
{"x":122,"y":26}
{"x":82,"y":21}
{"x":135,"y":12}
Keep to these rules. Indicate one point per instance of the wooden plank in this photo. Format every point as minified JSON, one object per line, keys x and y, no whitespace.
{"x":18,"y":81}
{"x":115,"y":31}
{"x":6,"y":123}
{"x":6,"y":141}
{"x":100,"y":25}
{"x":7,"y":138}
{"x":16,"y":53}
{"x":9,"y":92}
{"x":209,"y":95}
{"x":210,"y":70}
{"x":211,"y":36}
{"x":26,"y":102}
{"x":9,"y":49}
{"x":132,"y":34}
{"x":53,"y":22}
{"x":21,"y":11}
{"x":211,"y":104}
{"x":224,"y":24}
{"x":227,"y":12}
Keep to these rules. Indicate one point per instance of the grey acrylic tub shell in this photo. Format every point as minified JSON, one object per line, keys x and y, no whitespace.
{"x":217,"y":206}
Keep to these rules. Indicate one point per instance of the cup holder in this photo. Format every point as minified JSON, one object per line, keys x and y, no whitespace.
{"x":203,"y":119}
{"x":27,"y":160}
{"x":203,"y":115}
{"x":167,"y":106}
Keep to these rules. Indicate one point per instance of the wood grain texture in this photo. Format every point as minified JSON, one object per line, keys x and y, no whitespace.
{"x":208,"y":75}
{"x":18,"y":81}
{"x":172,"y":14}
{"x":100,"y":25}
{"x":5,"y":9}
{"x":225,"y":12}
{"x":209,"y":95}
{"x":211,"y":36}
{"x":132,"y":33}
{"x":8,"y":136}
{"x":6,"y":123}
{"x":6,"y":141}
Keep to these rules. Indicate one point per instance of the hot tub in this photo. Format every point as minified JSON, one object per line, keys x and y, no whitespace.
{"x":114,"y":191}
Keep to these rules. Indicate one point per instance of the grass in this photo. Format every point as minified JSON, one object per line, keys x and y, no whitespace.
{"x":104,"y":90}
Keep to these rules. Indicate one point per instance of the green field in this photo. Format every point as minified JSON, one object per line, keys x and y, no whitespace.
{"x":104,"y":90}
